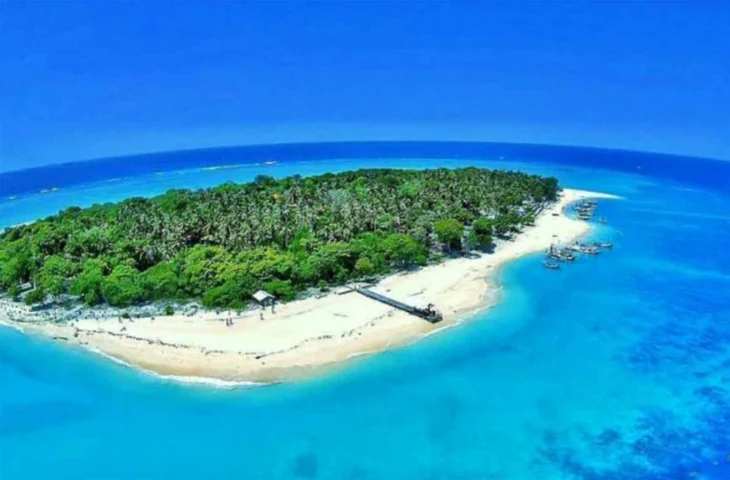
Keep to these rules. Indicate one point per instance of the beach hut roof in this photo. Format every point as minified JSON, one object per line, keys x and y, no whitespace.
{"x":262,"y":296}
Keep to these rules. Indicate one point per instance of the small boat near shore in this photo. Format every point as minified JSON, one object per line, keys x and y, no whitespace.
{"x":589,"y":249}
{"x":560,"y":254}
{"x":583,"y":248}
{"x":585,"y":209}
{"x":566,"y":256}
{"x":550,"y":265}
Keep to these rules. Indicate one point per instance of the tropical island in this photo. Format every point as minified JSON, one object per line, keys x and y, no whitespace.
{"x":223,"y":244}
{"x":169,"y":283}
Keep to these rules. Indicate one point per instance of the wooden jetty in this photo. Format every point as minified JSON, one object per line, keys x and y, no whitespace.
{"x":428,"y":313}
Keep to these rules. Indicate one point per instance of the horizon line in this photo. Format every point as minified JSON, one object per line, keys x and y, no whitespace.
{"x":361,"y":142}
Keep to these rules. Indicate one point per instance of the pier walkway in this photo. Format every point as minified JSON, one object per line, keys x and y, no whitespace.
{"x":427,"y":313}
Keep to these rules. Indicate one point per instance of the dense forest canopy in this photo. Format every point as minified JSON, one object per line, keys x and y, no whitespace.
{"x":222,"y":244}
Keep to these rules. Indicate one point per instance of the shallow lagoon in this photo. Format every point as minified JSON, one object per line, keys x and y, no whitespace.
{"x":616,"y":367}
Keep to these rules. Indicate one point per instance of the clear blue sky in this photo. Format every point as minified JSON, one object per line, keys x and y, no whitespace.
{"x":89,"y":79}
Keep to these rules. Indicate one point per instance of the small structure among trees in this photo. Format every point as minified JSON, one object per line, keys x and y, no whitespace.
{"x":265,"y":299}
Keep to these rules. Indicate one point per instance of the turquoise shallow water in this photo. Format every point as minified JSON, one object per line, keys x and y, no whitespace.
{"x":615,"y":368}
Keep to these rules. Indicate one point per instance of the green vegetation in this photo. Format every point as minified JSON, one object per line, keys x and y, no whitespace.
{"x":449,"y":231}
{"x":222,"y":244}
{"x":480,"y":236}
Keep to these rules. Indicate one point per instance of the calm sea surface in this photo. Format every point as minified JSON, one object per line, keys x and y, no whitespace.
{"x":617,"y":367}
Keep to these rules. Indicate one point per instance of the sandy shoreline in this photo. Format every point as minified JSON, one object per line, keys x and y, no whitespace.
{"x":307,"y":335}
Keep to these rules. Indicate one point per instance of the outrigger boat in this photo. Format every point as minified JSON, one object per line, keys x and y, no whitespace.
{"x":560,"y":254}
{"x":591,"y":250}
{"x":567,"y":256}
{"x":574,"y":247}
{"x":551,"y":265}
{"x":603,"y":244}
{"x":583,"y":248}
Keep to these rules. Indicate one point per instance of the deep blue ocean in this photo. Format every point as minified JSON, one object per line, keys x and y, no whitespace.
{"x":617,"y":367}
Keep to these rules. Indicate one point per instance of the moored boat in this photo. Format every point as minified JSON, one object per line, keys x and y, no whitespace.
{"x":574,"y":247}
{"x":566,"y":255}
{"x":591,"y":250}
{"x":551,"y":265}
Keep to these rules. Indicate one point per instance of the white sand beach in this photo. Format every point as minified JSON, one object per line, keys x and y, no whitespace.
{"x":313,"y":333}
